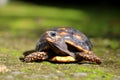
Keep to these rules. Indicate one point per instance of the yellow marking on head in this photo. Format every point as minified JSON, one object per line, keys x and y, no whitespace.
{"x":49,"y":39}
{"x":53,"y":39}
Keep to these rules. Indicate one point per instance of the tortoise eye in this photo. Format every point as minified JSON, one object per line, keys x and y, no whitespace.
{"x":53,"y":34}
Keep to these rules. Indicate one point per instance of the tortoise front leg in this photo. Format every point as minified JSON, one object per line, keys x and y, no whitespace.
{"x":36,"y":56}
{"x":91,"y":57}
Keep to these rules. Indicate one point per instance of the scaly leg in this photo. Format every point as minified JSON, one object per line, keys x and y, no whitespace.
{"x":36,"y":56}
{"x":91,"y":57}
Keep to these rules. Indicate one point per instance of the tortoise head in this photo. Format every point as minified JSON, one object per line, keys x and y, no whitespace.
{"x":52,"y":36}
{"x":57,"y":43}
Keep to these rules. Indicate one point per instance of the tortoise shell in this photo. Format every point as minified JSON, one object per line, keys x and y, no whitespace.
{"x":63,"y":42}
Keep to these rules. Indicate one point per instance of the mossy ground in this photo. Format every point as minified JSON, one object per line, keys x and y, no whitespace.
{"x":20,"y":29}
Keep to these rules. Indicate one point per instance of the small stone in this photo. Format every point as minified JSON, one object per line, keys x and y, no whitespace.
{"x":60,"y":74}
{"x":3,"y":69}
{"x":17,"y":73}
{"x":80,"y":74}
{"x":118,"y":54}
{"x":9,"y":77}
{"x":117,"y":78}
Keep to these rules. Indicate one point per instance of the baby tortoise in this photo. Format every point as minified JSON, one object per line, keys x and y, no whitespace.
{"x":63,"y":45}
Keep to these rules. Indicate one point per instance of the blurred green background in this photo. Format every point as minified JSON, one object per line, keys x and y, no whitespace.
{"x":100,"y":19}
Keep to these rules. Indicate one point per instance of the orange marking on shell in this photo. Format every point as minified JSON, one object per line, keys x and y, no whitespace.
{"x":62,"y":28}
{"x":63,"y":33}
{"x":78,"y":37}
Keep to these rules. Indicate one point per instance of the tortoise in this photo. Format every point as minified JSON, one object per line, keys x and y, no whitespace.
{"x":63,"y":44}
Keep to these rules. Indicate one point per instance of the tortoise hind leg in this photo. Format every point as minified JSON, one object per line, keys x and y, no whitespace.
{"x":82,"y":56}
{"x":36,"y":56}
